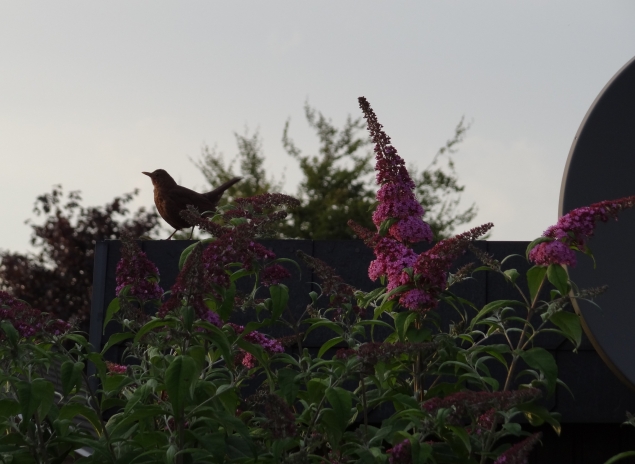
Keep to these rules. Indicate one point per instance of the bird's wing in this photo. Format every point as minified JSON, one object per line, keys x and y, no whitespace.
{"x":217,"y":193}
{"x":184,"y":196}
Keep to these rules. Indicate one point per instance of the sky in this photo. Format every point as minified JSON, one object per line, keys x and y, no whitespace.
{"x":93,"y":93}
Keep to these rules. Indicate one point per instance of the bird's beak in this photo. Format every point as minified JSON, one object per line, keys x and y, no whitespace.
{"x":147,"y":173}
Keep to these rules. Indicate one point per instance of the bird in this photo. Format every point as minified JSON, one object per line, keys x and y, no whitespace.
{"x":171,"y":198}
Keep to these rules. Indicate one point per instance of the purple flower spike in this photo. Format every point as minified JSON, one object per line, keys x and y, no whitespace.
{"x":555,"y":252}
{"x":396,"y":196}
{"x":28,"y":321}
{"x":274,"y":274}
{"x":518,"y":453}
{"x":573,"y":230}
{"x":401,"y":453}
{"x":137,"y":271}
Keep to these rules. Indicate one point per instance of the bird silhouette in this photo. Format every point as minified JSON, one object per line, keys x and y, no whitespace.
{"x":171,"y":198}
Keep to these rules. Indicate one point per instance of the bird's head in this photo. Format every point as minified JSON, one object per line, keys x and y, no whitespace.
{"x":160,"y":178}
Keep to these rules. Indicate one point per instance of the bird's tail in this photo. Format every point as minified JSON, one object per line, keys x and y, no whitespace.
{"x":217,"y":193}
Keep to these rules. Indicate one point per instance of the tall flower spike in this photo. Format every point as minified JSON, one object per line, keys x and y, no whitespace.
{"x":190,"y":288}
{"x":432,"y":268}
{"x":28,"y":321}
{"x":396,"y":197}
{"x":332,"y":284}
{"x":573,"y":230}
{"x":137,"y":272}
{"x":518,"y":453}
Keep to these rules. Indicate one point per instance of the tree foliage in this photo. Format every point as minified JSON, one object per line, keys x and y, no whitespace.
{"x":250,"y":159}
{"x":335,"y":185}
{"x":337,"y":181}
{"x":58,"y":278}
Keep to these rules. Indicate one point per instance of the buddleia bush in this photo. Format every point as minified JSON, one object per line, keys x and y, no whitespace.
{"x":193,"y":386}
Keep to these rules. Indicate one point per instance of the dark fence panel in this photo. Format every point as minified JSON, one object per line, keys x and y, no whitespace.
{"x":600,"y":400}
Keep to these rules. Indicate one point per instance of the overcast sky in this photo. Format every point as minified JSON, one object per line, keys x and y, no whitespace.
{"x":93,"y":93}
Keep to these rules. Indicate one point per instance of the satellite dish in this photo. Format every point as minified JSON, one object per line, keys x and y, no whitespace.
{"x":601,"y":166}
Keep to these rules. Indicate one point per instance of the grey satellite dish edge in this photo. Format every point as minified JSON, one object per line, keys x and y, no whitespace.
{"x":601,"y":166}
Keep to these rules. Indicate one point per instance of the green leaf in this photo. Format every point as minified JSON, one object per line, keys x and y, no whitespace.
{"x":44,"y":392}
{"x":569,"y":323}
{"x":364,"y":299}
{"x":9,"y":407}
{"x":198,"y":353}
{"x":28,"y":402}
{"x":558,"y":276}
{"x":315,"y":389}
{"x":402,"y":401}
{"x":240,"y":273}
{"x":332,"y":342}
{"x":535,"y":276}
{"x":290,"y":261}
{"x":227,"y":305}
{"x":397,"y":290}
{"x":494,"y":306}
{"x":115,"y":382}
{"x":186,"y":253}
{"x":12,"y":335}
{"x":538,"y":241}
{"x":537,"y":415}
{"x":334,"y":427}
{"x":113,"y":308}
{"x":497,"y":352}
{"x":460,"y":433}
{"x":70,"y":410}
{"x":386,"y":306}
{"x":139,"y":396}
{"x":619,"y":457}
{"x":179,"y":377}
{"x":372,"y":322}
{"x":279,"y":298}
{"x":323,"y":323}
{"x":402,"y":322}
{"x":341,"y":401}
{"x":219,"y":338}
{"x":71,"y":374}
{"x":385,"y":225}
{"x":288,"y":386}
{"x":188,"y":317}
{"x":415,"y":335}
{"x":540,"y":359}
{"x":153,"y":324}
{"x":512,"y":275}
{"x":115,"y":339}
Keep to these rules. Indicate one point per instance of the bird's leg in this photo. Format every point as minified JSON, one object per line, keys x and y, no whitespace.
{"x":191,"y":233}
{"x":175,"y":231}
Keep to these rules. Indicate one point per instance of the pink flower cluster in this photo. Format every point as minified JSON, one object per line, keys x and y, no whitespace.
{"x":573,"y":230}
{"x":474,"y":405}
{"x":401,"y":453}
{"x":373,"y":352}
{"x":398,"y":204}
{"x":190,"y":288}
{"x":280,"y":419}
{"x":274,"y":274}
{"x":518,"y":454}
{"x":432,"y":268}
{"x":395,"y":196}
{"x":28,"y":321}
{"x":270,"y":345}
{"x":206,"y":270}
{"x":235,"y":243}
{"x":116,"y":368}
{"x":138,"y":272}
{"x":392,"y":258}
